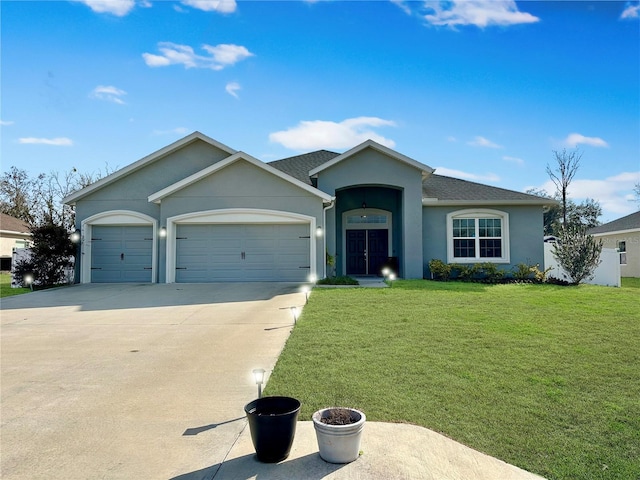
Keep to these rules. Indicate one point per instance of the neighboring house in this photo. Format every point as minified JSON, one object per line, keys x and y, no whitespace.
{"x":14,"y":233}
{"x":199,"y":211}
{"x":623,"y":234}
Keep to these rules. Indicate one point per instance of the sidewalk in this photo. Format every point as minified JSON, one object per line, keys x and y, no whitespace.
{"x":389,"y":452}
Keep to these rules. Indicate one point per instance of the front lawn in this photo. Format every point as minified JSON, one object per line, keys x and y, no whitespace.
{"x":544,"y":377}
{"x":5,"y":286}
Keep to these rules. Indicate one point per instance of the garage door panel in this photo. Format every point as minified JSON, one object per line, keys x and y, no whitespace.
{"x":262,"y":252}
{"x":121,"y":253}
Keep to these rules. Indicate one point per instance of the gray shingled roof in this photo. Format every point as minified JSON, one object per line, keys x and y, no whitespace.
{"x":434,"y":186}
{"x":13,"y":224}
{"x":453,"y":189}
{"x":630,"y":222}
{"x":300,"y":165}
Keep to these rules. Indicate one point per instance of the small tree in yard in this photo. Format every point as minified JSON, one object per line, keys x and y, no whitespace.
{"x":577,"y":253}
{"x":50,"y":255}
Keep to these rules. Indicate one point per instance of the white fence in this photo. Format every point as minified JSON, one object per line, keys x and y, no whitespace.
{"x":607,"y":273}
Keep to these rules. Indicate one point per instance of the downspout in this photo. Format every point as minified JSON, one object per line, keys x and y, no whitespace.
{"x":331,"y":204}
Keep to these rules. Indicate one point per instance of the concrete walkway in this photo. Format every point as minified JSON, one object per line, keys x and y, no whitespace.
{"x":124,"y":382}
{"x":389,"y":452}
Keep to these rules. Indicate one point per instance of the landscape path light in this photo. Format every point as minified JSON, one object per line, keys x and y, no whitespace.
{"x":295,"y":312}
{"x":385,"y":272}
{"x":306,"y":290}
{"x":28,"y":281}
{"x":258,"y":375}
{"x":392,"y":277}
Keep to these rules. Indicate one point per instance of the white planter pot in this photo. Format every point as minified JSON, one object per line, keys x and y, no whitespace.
{"x":339,"y":443}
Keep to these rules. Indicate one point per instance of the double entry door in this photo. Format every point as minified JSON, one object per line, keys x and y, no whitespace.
{"x":367,"y":251}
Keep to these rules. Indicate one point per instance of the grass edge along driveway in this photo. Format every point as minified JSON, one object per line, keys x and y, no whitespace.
{"x":541,"y":376}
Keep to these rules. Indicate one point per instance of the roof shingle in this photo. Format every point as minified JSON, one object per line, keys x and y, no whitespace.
{"x":630,"y":222}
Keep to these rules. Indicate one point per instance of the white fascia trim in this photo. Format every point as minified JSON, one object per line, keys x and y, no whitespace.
{"x":185,"y":182}
{"x":479,"y":213}
{"x":114,"y":217}
{"x":616,"y":232}
{"x":425,"y":169}
{"x":237,"y":216}
{"x":11,"y":232}
{"x":71,"y":199}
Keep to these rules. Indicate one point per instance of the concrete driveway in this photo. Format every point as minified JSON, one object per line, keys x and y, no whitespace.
{"x":133,"y":381}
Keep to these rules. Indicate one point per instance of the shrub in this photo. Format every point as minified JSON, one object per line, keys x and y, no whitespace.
{"x":487,"y":272}
{"x":440,"y":270}
{"x":577,"y":253}
{"x":50,"y":255}
{"x":529,"y":273}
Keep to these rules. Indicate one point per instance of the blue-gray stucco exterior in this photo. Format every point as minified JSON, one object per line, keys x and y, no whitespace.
{"x":197,"y":180}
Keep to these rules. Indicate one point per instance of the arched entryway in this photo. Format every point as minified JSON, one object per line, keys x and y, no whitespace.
{"x":368,"y":229}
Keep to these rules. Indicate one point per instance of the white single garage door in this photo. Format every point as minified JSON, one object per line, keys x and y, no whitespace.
{"x":121,"y":254}
{"x":242,"y":253}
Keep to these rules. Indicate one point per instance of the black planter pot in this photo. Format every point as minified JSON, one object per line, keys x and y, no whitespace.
{"x":272,"y":421}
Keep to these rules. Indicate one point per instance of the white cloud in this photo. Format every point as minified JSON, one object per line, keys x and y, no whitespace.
{"x":487,"y":177}
{"x":232,"y":88}
{"x":516,"y":160}
{"x":58,"y":142}
{"x":483,"y":142}
{"x":222,"y":6}
{"x":173,"y":131}
{"x":319,"y":134}
{"x":574,"y":139}
{"x":481,"y":13}
{"x":220,"y":56}
{"x":613,"y":193}
{"x":108,"y":93}
{"x":451,"y":138}
{"x":631,"y":11}
{"x":6,"y":123}
{"x":119,"y":8}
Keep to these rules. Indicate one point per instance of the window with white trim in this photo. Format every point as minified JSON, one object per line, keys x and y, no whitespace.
{"x":478,"y":236}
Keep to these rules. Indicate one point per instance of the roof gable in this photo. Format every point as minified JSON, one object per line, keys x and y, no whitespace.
{"x":149,"y":159}
{"x":239,"y":156}
{"x":630,"y":222}
{"x":426,"y":170}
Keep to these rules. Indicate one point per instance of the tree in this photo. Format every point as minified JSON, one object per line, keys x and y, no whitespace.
{"x":567,"y":164}
{"x":38,"y":201}
{"x":18,"y":194}
{"x":577,"y":252}
{"x":50,"y":256}
{"x":585,"y":213}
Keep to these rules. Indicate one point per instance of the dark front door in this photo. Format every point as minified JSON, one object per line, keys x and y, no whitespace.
{"x":367,"y":251}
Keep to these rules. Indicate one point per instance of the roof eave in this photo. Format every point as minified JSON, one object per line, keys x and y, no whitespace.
{"x":616,"y":232}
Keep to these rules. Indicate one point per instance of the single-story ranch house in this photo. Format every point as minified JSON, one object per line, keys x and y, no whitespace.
{"x":199,"y":211}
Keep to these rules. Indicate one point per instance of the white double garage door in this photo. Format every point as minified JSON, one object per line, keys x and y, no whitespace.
{"x":205,"y":253}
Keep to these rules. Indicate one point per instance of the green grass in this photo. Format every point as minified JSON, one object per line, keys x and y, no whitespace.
{"x":541,"y":376}
{"x":5,"y":286}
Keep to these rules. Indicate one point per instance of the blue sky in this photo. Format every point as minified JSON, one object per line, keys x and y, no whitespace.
{"x":483,"y":90}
